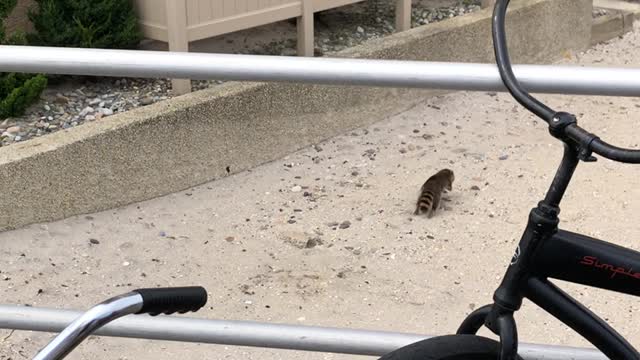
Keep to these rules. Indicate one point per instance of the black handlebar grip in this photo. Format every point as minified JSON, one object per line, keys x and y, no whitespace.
{"x":172,"y":300}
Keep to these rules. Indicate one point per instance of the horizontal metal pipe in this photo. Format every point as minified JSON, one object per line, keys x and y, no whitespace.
{"x":331,"y":71}
{"x":244,"y":333}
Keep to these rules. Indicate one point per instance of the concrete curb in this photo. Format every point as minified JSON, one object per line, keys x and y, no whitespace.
{"x":612,"y":25}
{"x":176,"y":144}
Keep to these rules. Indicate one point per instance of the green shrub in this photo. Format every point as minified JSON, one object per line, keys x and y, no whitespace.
{"x":109,"y":24}
{"x":22,"y":95}
{"x":17,"y":91}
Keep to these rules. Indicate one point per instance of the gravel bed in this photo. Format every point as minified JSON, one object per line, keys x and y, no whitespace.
{"x":74,"y":101}
{"x":599,"y":12}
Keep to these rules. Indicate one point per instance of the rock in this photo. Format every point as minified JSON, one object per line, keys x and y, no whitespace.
{"x":360,"y":30}
{"x":47,"y":107}
{"x":475,"y":188}
{"x":52,"y":127}
{"x":289,"y":52}
{"x":94,"y":241}
{"x":146,"y":101}
{"x":13,"y":130}
{"x":313,"y":242}
{"x":89,"y":118}
{"x":345,"y":225}
{"x":18,"y":138}
{"x":296,"y":189}
{"x":86,"y":111}
{"x":95,"y":101}
{"x":503,"y":157}
{"x":105,"y":111}
{"x":61,"y":99}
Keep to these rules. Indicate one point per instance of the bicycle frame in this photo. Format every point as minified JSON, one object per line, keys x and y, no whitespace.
{"x":546,"y":252}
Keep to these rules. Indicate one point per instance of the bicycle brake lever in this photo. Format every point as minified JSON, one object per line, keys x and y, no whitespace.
{"x":586,"y":155}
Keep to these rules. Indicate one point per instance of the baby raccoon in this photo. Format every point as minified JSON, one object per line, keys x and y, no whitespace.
{"x":432,"y":190}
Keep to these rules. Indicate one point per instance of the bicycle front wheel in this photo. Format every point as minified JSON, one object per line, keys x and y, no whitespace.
{"x":450,"y":347}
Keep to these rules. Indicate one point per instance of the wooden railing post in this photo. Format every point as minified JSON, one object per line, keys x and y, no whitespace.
{"x":403,"y":15}
{"x":178,"y":38}
{"x":305,"y":29}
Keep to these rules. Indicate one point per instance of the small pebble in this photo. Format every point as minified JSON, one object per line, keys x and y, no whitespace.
{"x":296,"y":189}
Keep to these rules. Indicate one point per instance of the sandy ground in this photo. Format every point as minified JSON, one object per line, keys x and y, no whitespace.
{"x":244,"y":237}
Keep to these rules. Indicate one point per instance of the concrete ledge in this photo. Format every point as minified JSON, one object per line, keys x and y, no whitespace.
{"x":611,"y":26}
{"x":189,"y":140}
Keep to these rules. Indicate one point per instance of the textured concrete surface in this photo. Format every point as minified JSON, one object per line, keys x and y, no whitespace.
{"x":246,"y":237}
{"x":207,"y":135}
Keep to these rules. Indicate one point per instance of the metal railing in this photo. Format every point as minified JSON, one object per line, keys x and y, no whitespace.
{"x":330,"y":71}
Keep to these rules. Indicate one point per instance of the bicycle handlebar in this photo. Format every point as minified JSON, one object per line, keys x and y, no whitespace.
{"x":172,"y":300}
{"x":587,"y":141}
{"x":600,"y":147}
{"x":150,"y":301}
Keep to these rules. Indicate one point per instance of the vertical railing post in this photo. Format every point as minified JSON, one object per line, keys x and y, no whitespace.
{"x":178,"y":38}
{"x":305,"y":29}
{"x":403,"y":15}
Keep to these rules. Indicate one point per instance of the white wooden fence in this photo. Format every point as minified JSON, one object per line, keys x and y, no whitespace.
{"x":179,"y":22}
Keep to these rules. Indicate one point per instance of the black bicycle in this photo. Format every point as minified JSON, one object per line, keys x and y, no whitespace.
{"x":545,"y":252}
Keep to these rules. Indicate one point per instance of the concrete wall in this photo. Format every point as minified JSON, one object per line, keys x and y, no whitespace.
{"x":176,"y":144}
